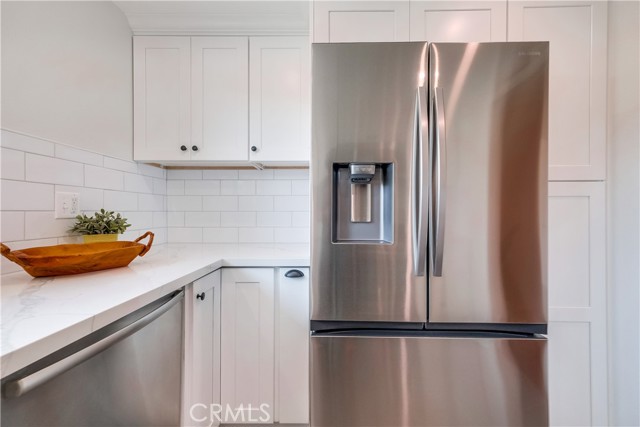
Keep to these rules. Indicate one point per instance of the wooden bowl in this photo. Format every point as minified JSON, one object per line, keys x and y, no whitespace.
{"x":77,"y":258}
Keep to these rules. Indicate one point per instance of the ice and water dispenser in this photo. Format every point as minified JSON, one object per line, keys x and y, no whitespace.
{"x":362,"y":203}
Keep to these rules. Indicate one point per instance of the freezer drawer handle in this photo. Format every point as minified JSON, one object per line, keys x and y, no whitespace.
{"x":294,"y":274}
{"x":18,"y":387}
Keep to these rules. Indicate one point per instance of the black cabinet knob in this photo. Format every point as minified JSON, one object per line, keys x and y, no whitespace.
{"x":200,"y":296}
{"x":194,"y":148}
{"x":183,"y":147}
{"x":254,"y":148}
{"x":294,"y":274}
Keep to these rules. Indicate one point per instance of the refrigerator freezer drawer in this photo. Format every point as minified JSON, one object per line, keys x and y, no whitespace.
{"x":428,"y":381}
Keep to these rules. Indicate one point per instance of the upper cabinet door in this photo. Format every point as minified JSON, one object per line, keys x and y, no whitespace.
{"x":577,"y":32}
{"x":459,"y":21}
{"x":279,"y":82}
{"x":360,"y":21}
{"x":220,"y":98}
{"x":161,"y":81}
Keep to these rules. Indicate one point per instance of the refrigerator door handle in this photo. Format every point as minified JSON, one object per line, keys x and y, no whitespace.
{"x":419,"y":187}
{"x":439,"y":182}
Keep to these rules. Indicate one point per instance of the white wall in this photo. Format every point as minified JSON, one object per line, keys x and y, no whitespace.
{"x":623,"y":180}
{"x":66,"y":74}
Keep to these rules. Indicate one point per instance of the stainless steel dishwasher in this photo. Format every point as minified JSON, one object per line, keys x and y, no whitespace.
{"x":128,"y":373}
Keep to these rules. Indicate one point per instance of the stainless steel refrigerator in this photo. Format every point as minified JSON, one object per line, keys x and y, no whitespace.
{"x":429,"y":224}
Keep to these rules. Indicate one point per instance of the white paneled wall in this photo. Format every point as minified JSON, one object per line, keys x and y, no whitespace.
{"x":238,"y":206}
{"x":33,"y":170}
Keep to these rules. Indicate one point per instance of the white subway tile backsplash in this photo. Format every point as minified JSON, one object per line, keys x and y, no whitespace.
{"x":138,"y":183}
{"x":152,"y":171}
{"x":255,"y":203}
{"x":274,"y":219}
{"x":291,"y":203}
{"x":300,"y":219}
{"x":202,"y":219}
{"x":300,"y":187}
{"x":139,"y":220}
{"x":175,"y":219}
{"x":292,"y":235}
{"x":240,"y":188}
{"x":12,"y":226}
{"x":121,"y":165}
{"x":41,"y":225}
{"x":98,"y":177}
{"x":26,"y":196}
{"x":220,"y":203}
{"x":202,"y":187}
{"x":220,"y":235}
{"x":26,"y":143}
{"x":291,"y":174}
{"x":184,"y":174}
{"x":120,"y":201}
{"x":160,"y":186}
{"x":76,"y":155}
{"x":175,"y":188}
{"x":12,"y":164}
{"x":159,"y":220}
{"x":184,"y":203}
{"x":152,"y":202}
{"x":53,"y":171}
{"x":255,"y":174}
{"x":91,"y":199}
{"x":238,"y":219}
{"x":255,"y":235}
{"x":219,"y":174}
{"x":273,"y":188}
{"x":185,"y":235}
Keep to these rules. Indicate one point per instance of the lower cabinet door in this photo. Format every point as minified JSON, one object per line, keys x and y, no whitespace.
{"x":292,"y":350}
{"x":247,"y":342}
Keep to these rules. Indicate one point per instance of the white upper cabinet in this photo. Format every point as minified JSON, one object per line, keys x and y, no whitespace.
{"x":220,"y":98}
{"x":161,"y":82}
{"x":360,"y":21}
{"x":209,"y":99}
{"x":279,"y":82}
{"x":459,"y":21}
{"x":577,"y":32}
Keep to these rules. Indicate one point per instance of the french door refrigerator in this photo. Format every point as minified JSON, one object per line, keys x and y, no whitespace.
{"x":429,"y":223}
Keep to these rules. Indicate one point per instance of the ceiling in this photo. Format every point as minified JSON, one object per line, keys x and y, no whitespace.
{"x":213,"y":17}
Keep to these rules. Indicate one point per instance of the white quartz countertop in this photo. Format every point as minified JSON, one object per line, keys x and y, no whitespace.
{"x":42,"y":315}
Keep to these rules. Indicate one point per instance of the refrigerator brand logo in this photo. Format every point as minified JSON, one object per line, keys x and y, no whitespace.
{"x":216,"y":413}
{"x":530,"y":53}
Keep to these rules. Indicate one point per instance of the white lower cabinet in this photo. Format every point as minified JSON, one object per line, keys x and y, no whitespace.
{"x":264,"y":346}
{"x":202,"y":352}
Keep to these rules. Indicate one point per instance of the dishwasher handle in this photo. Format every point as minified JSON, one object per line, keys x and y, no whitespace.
{"x":20,"y":386}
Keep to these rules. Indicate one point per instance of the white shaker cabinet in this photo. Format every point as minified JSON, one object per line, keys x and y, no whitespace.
{"x":280,"y":110}
{"x":220,"y":98}
{"x":577,"y":304}
{"x":162,"y":98}
{"x":577,"y":32}
{"x":459,"y":21}
{"x":247,"y":341}
{"x":202,"y":350}
{"x":360,"y":21}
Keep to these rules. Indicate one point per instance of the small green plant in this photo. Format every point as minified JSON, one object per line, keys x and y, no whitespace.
{"x":103,"y":222}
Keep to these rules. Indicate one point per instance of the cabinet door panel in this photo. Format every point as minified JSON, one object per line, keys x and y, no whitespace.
{"x":279,"y":99}
{"x":248,"y":327}
{"x":292,"y":353}
{"x":577,"y":32}
{"x":360,"y":21}
{"x":577,"y":299}
{"x":220,"y":93}
{"x":161,"y":97}
{"x":459,"y":21}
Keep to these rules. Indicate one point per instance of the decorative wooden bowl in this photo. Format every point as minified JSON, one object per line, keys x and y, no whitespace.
{"x":77,"y":258}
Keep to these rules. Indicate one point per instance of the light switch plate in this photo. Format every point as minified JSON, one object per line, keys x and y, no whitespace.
{"x":67,"y":205}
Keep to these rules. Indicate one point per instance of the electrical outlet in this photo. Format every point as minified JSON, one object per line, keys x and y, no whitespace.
{"x":67,"y":205}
